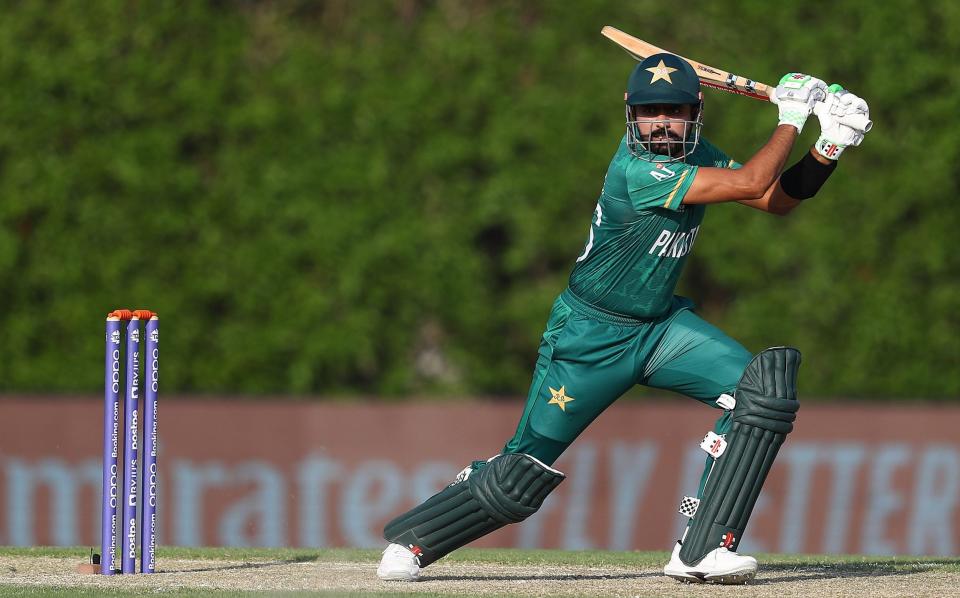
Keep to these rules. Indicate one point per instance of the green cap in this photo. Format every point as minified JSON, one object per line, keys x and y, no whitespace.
{"x":663,"y":79}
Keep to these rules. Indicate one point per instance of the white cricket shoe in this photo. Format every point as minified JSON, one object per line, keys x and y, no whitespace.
{"x":719,"y":566}
{"x":398,"y":564}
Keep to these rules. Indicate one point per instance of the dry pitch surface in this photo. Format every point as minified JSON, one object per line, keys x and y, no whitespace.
{"x":216,"y":572}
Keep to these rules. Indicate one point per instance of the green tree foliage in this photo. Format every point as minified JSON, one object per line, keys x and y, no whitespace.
{"x":384,"y":197}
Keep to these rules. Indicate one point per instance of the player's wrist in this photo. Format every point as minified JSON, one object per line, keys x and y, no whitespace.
{"x":816,"y":156}
{"x":828,"y":148}
{"x":794,"y":118}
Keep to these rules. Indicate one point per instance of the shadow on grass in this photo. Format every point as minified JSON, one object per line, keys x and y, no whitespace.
{"x":244,"y":566}
{"x":783,"y":572}
{"x":558,"y":577}
{"x":772,"y":573}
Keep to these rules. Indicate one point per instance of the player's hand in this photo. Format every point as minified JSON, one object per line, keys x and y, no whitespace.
{"x":795,"y":96}
{"x":844,"y":120}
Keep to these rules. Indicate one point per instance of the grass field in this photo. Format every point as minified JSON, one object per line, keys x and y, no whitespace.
{"x":343,"y":572}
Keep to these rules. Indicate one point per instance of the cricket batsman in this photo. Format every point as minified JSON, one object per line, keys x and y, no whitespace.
{"x":618,"y":323}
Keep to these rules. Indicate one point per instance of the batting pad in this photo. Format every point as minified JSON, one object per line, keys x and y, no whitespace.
{"x":766,"y":408}
{"x":508,"y":489}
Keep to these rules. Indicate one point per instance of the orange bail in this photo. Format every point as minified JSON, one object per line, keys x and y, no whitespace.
{"x":126,"y":314}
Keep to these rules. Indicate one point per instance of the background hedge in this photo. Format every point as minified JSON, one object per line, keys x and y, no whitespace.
{"x":383,"y":197}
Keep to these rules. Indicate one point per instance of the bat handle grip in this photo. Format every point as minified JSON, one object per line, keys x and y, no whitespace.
{"x":858,"y":121}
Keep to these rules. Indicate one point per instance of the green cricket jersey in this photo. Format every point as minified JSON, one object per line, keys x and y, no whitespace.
{"x":641,"y":233}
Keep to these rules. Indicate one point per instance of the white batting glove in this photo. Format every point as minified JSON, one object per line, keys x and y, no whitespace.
{"x":844,"y":120}
{"x":795,"y":97}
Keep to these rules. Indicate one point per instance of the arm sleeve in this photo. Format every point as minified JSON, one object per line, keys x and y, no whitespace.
{"x":658,"y":185}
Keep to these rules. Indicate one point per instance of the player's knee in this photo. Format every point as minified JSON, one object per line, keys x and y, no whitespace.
{"x":766,"y":395}
{"x":484,"y":497}
{"x":512,"y":487}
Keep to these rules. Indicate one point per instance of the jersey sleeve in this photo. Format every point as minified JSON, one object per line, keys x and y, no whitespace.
{"x":658,"y":185}
{"x":715,"y":157}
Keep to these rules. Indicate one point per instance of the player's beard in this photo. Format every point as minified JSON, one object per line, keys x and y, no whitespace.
{"x":658,"y":143}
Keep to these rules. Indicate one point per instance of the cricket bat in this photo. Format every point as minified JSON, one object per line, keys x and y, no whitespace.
{"x":714,"y":77}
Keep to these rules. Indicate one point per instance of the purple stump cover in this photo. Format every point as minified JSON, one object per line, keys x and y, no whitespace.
{"x":131,"y":481}
{"x":148,"y":508}
{"x":111,"y":450}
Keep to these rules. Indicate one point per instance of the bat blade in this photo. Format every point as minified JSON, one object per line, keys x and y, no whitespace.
{"x":710,"y":76}
{"x":714,"y":77}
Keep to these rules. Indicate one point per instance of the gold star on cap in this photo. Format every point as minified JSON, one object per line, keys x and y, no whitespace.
{"x":661,"y":71}
{"x":560,"y":398}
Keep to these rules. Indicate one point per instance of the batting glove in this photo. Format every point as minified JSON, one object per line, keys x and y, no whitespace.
{"x":795,"y":97}
{"x":844,"y":120}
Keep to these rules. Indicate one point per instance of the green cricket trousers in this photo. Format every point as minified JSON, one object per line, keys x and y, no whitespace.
{"x":588,"y":358}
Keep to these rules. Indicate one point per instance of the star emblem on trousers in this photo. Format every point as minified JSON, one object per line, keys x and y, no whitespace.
{"x":661,"y":71}
{"x":560,"y":398}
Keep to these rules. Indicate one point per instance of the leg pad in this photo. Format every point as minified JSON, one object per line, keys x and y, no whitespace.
{"x":507,"y":489}
{"x":766,"y":408}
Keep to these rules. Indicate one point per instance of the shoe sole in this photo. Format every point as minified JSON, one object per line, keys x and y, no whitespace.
{"x":400,"y":576}
{"x":685,"y":577}
{"x":729,"y":578}
{"x":735,"y":578}
{"x":397,"y":578}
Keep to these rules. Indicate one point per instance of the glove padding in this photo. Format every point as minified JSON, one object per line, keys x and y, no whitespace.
{"x":844,"y":120}
{"x":795,"y":97}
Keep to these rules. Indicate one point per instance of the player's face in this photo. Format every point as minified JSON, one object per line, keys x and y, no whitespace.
{"x":661,"y":122}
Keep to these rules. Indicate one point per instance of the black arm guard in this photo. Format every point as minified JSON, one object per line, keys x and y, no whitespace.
{"x":803,"y":179}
